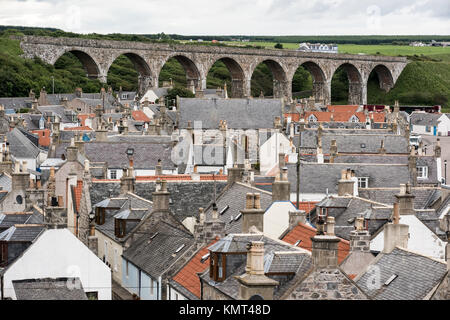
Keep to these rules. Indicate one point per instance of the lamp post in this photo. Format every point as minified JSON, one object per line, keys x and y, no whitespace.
{"x":53,"y":84}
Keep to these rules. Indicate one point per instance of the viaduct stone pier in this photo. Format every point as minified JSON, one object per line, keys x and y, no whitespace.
{"x":149,"y":58}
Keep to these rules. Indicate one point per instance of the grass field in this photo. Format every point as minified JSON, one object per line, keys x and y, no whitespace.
{"x":389,"y":50}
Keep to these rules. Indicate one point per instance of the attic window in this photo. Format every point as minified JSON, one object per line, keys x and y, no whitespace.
{"x":392,"y":278}
{"x":179,"y":248}
{"x":238,"y":216}
{"x":224,"y":209}
{"x":204,"y":258}
{"x":363,"y":145}
{"x":422,"y":172}
{"x":297,"y":243}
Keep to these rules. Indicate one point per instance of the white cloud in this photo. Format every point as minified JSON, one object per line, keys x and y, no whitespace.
{"x":258,"y":17}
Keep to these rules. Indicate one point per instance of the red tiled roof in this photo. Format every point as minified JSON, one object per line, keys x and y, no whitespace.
{"x":306,"y":206}
{"x":82,"y":128}
{"x":187,"y":276}
{"x":304,"y":233}
{"x":139,"y":115}
{"x":44,"y":137}
{"x":343,"y":108}
{"x":78,"y":190}
{"x":294,"y":116}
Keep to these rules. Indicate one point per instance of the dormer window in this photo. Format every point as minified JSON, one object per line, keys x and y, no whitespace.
{"x":422,"y":172}
{"x":119,"y":227}
{"x":354,"y":118}
{"x":312,"y":118}
{"x":99,"y":216}
{"x":217,"y":266}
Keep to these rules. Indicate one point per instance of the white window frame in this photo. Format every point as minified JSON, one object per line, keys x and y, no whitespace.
{"x":422,"y":172}
{"x":363,"y":180}
{"x":354,"y":119}
{"x":312,"y":118}
{"x":113,"y":172}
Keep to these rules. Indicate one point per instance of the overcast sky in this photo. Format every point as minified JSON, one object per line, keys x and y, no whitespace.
{"x":232,"y":17}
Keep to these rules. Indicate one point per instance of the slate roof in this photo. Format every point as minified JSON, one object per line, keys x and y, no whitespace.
{"x":417,"y":275}
{"x":8,"y":220}
{"x":22,"y":233}
{"x":234,"y":197}
{"x":16,"y":102}
{"x":425,"y":118}
{"x":154,"y":255}
{"x":49,"y":289}
{"x":318,"y":177}
{"x":20,"y":146}
{"x":59,"y":110}
{"x":31,"y":120}
{"x":120,"y":206}
{"x":145,"y":156}
{"x":422,"y":196}
{"x":356,"y":143}
{"x":239,"y":113}
{"x":5,"y":182}
{"x":278,"y":257}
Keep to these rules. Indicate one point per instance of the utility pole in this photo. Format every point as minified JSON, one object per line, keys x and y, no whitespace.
{"x":301,"y":126}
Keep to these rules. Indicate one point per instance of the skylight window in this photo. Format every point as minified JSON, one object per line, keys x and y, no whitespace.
{"x":179,"y":248}
{"x":297,"y":242}
{"x":224,"y":209}
{"x":153,"y":236}
{"x":238,"y":216}
{"x":204,"y":258}
{"x":392,"y":278}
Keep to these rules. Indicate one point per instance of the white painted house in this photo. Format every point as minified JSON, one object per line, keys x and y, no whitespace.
{"x":57,"y":253}
{"x":276,"y":218}
{"x":421,"y":239}
{"x":434,"y":124}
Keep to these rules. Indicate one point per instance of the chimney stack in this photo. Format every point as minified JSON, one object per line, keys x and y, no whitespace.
{"x":235,"y":174}
{"x":360,"y":237}
{"x":72,"y":151}
{"x":405,"y":200}
{"x":333,"y":151}
{"x":211,"y":228}
{"x":127,"y":181}
{"x":296,"y":217}
{"x":252,"y":215}
{"x":254,"y":283}
{"x":158,"y":170}
{"x":281,"y":188}
{"x":161,"y":197}
{"x":325,"y":248}
{"x":346,"y":185}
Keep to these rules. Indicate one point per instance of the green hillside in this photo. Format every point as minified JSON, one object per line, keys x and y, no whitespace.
{"x":426,"y":80}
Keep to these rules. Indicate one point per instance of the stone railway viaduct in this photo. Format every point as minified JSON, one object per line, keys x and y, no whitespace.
{"x":149,"y":58}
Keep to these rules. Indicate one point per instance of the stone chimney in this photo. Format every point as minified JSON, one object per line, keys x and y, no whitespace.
{"x":346,"y":185}
{"x":405,"y":200}
{"x":78,"y":92}
{"x":235,"y":174}
{"x":360,"y":237}
{"x":6,"y":164}
{"x":395,"y":234}
{"x":296,"y":217}
{"x":412,"y":165}
{"x":92,"y":239}
{"x":43,"y":98}
{"x":209,"y":229}
{"x":277,"y":123}
{"x":127,"y":181}
{"x":281,"y":187}
{"x":333,"y":151}
{"x":437,"y":148}
{"x":254,"y":284}
{"x":20,"y":178}
{"x":382,"y":150}
{"x":79,"y":143}
{"x":325,"y":247}
{"x":158,"y":167}
{"x":161,"y":196}
{"x":252,"y":215}
{"x":72,"y":151}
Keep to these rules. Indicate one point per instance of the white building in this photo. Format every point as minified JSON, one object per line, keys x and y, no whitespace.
{"x":434,"y":124}
{"x":57,"y":253}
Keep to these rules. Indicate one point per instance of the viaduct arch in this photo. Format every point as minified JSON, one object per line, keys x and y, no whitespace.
{"x":149,"y":58}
